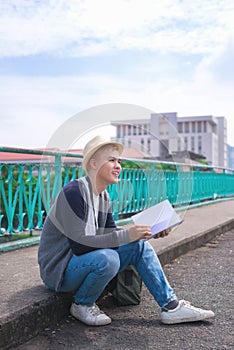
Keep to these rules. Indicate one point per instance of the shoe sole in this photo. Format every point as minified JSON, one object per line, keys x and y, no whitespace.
{"x":186,"y":320}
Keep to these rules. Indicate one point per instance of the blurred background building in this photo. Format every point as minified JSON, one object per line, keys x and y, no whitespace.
{"x":166,"y":136}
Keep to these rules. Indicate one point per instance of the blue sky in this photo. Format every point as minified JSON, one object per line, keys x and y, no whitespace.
{"x":61,"y":57}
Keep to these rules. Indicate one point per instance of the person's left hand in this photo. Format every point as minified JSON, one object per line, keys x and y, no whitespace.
{"x":162,"y":233}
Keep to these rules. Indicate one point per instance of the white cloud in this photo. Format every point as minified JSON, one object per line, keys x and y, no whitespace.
{"x":33,"y":108}
{"x":220,"y":65}
{"x":91,"y":27}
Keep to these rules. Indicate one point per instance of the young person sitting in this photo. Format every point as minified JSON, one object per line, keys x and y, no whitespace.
{"x":81,"y":249}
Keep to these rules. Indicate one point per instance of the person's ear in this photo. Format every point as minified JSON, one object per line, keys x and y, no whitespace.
{"x":93,"y":163}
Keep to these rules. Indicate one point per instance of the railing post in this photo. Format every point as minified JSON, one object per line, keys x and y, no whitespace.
{"x":1,"y":217}
{"x":57,"y":176}
{"x":21,"y":212}
{"x":9,"y":208}
{"x":40,"y":211}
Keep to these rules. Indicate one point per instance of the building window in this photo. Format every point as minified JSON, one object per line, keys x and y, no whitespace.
{"x":134,"y":130}
{"x":180,"y":127}
{"x":179,"y":144}
{"x":186,"y":143}
{"x":199,"y":144}
{"x":204,"y":126}
{"x":145,"y":129}
{"x":199,"y":125}
{"x":139,"y":130}
{"x":129,"y":143}
{"x":192,"y":144}
{"x":119,"y":131}
{"x":186,"y":127}
{"x":129,"y":129}
{"x":142,"y":144}
{"x":149,"y":145}
{"x":193,"y":127}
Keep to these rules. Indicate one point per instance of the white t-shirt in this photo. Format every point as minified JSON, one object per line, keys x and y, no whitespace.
{"x":96,"y":206}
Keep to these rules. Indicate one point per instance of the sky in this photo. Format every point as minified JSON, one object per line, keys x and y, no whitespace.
{"x":61,"y":57}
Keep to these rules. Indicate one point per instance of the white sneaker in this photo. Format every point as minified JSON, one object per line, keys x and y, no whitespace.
{"x":185,"y":312}
{"x":90,"y":315}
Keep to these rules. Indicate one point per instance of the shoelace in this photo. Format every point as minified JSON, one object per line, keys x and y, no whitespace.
{"x":94,"y":310}
{"x":188,"y":305}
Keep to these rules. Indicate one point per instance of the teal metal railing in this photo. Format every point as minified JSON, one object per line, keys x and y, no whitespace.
{"x":28,"y":189}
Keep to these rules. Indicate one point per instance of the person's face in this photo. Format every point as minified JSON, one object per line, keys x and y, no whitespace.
{"x":108,"y":165}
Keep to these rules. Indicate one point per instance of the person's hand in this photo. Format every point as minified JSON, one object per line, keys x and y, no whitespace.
{"x":163,"y":233}
{"x":137,"y":232}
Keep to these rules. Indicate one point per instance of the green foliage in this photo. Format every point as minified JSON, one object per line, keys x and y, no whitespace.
{"x":15,"y":237}
{"x":127,"y":164}
{"x":136,"y":164}
{"x":202,"y":161}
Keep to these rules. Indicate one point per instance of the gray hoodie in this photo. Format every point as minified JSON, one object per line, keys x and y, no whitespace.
{"x":71,"y":228}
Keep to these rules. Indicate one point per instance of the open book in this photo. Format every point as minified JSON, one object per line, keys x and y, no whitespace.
{"x":159,"y":217}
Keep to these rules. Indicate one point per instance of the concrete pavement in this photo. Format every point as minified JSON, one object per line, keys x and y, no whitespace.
{"x":27,"y":307}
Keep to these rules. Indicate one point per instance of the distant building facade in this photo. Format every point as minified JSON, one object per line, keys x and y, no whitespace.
{"x":165,"y":134}
{"x":206,"y":135}
{"x":230,"y":151}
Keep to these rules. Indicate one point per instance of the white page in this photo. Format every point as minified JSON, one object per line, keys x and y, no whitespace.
{"x":159,"y":217}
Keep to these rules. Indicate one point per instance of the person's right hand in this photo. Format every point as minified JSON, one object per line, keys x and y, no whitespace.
{"x":137,"y":232}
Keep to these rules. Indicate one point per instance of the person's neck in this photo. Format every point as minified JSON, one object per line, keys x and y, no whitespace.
{"x":97,"y":187}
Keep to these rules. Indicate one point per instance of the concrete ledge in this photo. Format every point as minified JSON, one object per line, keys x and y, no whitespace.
{"x":20,"y":243}
{"x":26,"y":323}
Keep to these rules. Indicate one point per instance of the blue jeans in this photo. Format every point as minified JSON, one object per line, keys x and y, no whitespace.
{"x":87,"y":275}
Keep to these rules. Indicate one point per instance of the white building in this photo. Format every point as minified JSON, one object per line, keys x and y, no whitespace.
{"x":230,"y":157}
{"x":134,"y":133}
{"x":165,"y":133}
{"x":206,"y":135}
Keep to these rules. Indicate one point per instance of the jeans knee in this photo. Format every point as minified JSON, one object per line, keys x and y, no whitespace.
{"x":110,"y":262}
{"x":140,"y":245}
{"x":141,"y":248}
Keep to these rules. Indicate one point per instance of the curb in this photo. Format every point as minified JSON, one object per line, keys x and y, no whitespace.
{"x":18,"y":244}
{"x":184,"y":246}
{"x":28,"y":322}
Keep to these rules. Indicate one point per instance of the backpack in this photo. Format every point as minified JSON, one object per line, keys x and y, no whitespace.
{"x":126,"y":287}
